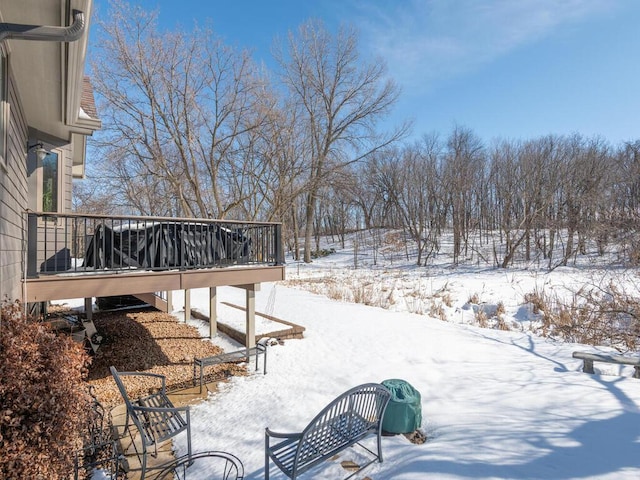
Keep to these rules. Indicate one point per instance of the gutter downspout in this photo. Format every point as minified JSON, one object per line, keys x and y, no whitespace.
{"x":40,"y":32}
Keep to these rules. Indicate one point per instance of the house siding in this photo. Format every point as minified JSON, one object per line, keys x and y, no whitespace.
{"x":13,"y":199}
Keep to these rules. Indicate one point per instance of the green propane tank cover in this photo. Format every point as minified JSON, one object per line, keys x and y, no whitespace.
{"x":404,"y":411}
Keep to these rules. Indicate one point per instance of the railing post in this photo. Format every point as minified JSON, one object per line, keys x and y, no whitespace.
{"x":277,"y":242}
{"x":32,"y":246}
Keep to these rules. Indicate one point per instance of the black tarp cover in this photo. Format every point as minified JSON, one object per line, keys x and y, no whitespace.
{"x":165,"y":245}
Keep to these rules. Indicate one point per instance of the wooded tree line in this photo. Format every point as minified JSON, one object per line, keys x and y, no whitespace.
{"x":526,"y":200}
{"x":195,"y":128}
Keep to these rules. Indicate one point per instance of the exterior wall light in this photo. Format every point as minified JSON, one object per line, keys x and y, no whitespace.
{"x":39,"y":150}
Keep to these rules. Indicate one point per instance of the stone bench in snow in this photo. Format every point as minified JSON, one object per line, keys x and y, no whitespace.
{"x":588,"y":358}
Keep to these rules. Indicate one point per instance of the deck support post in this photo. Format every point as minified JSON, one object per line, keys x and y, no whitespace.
{"x":251,"y":318}
{"x":88,"y":308}
{"x":169,"y":301}
{"x":213,"y":312}
{"x":187,"y":305}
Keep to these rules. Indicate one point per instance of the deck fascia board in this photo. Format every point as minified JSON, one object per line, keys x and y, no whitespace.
{"x":60,"y":287}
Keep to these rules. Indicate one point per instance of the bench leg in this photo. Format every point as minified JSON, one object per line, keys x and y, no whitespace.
{"x":266,"y":457}
{"x":264,"y":362}
{"x":187,"y":414}
{"x":143,"y":463}
{"x":588,"y":366}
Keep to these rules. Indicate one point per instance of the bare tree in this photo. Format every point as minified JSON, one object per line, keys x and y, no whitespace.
{"x":585,"y":179}
{"x":91,"y":197}
{"x":625,"y":201}
{"x":413,"y":181}
{"x":178,"y":109}
{"x":522,"y":178}
{"x":341,"y":99}
{"x":463,"y":177}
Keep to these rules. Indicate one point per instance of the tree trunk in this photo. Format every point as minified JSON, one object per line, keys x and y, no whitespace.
{"x":308,"y":228}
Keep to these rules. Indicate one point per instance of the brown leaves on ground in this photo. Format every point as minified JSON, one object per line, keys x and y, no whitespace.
{"x":149,"y":341}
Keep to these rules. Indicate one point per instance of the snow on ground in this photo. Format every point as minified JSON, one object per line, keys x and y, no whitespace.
{"x":495,"y":404}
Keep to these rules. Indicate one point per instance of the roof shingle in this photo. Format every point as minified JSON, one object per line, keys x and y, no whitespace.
{"x":87,"y":102}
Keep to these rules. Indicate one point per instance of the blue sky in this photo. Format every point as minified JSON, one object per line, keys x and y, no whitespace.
{"x":513,"y":69}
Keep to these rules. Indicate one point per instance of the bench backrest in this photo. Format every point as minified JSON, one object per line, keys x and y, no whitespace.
{"x":352,"y":416}
{"x":154,"y":415}
{"x":121,"y":387}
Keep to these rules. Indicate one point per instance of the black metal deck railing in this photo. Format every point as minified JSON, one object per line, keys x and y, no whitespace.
{"x":75,"y":243}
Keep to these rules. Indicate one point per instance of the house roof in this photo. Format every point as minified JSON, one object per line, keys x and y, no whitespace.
{"x":87,"y":102}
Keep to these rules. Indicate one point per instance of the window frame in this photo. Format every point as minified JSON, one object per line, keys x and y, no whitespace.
{"x":39,"y":179}
{"x":59,"y":200}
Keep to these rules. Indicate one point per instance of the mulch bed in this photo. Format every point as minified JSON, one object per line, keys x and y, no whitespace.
{"x":146,"y":340}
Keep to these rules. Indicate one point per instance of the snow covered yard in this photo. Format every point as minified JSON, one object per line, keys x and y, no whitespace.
{"x":495,"y":404}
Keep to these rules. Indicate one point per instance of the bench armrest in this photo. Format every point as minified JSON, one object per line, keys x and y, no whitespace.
{"x":271,"y":433}
{"x":262,"y":344}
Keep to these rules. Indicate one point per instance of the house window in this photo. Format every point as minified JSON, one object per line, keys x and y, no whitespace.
{"x":4,"y":110}
{"x":50,"y":183}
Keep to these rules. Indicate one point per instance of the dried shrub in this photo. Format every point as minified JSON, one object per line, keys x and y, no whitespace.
{"x":447,"y":300}
{"x":474,"y":299}
{"x":537,"y":300}
{"x":481,"y":318}
{"x":502,"y":324}
{"x":437,"y":311}
{"x":363,"y":293}
{"x":595,"y":315}
{"x":44,"y":400}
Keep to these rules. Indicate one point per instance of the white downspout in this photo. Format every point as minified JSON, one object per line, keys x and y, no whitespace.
{"x":41,"y":32}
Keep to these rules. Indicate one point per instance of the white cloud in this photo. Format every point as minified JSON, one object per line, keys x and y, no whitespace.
{"x":425,"y":41}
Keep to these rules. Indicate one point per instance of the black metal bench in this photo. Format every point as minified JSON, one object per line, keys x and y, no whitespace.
{"x":242,"y":355}
{"x":217,"y":465}
{"x":98,"y":447}
{"x":353,"y":416}
{"x":588,"y":358}
{"x":154,"y":416}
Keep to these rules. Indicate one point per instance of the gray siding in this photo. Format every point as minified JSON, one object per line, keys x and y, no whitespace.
{"x":19,"y":190}
{"x":13,"y":199}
